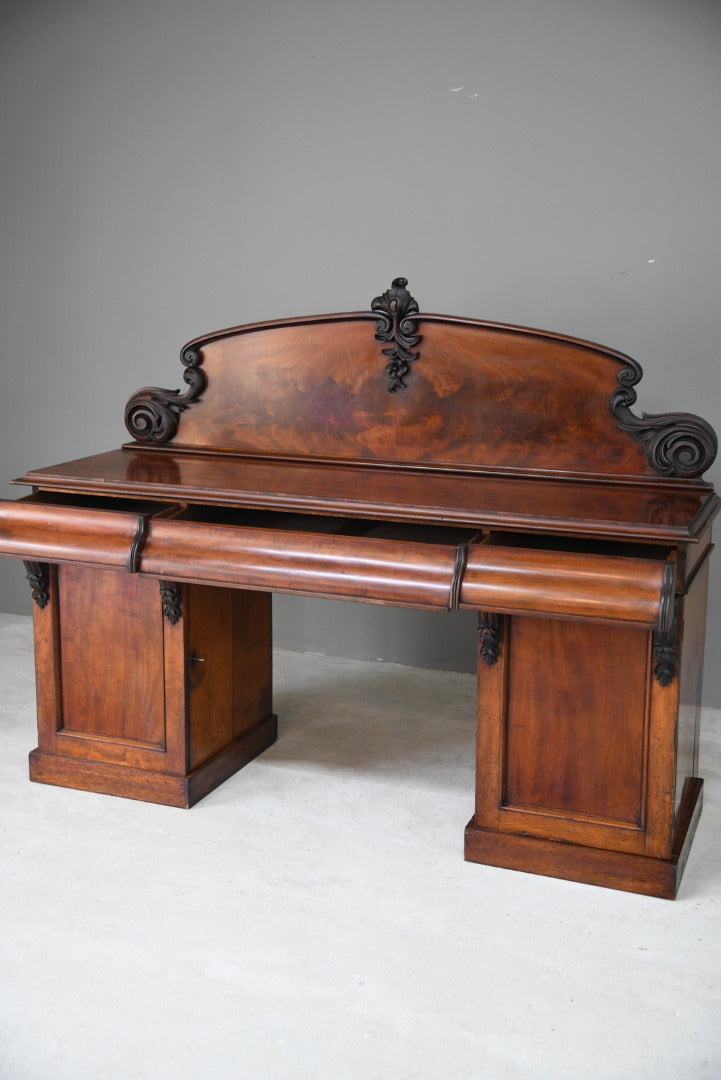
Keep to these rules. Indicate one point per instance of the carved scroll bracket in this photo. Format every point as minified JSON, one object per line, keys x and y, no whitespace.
{"x":676,"y":444}
{"x":152,"y":414}
{"x":396,"y":328}
{"x":38,"y":575}
{"x":489,"y":636}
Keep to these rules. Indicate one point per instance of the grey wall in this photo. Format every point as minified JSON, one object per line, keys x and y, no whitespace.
{"x":170,"y":168}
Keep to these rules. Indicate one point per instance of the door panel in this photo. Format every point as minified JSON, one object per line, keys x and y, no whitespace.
{"x":576,"y":719}
{"x":111,"y":655}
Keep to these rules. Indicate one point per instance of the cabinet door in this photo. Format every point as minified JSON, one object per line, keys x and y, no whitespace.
{"x":111,"y":656}
{"x":229,"y":651}
{"x":151,"y":693}
{"x":575,"y":737}
{"x":100,"y":660}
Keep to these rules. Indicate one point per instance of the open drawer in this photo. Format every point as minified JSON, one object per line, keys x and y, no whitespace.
{"x":84,"y":531}
{"x":413,"y":565}
{"x":410,"y":565}
{"x":571,"y":579}
{"x":339,"y":558}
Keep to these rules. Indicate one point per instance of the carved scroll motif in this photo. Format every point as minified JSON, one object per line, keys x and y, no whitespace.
{"x":170,"y":597}
{"x":489,"y":636}
{"x":38,"y":575}
{"x":676,"y":444}
{"x":396,"y":327}
{"x":151,"y":415}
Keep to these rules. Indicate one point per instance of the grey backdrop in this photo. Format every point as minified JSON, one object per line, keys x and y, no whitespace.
{"x":170,"y":168}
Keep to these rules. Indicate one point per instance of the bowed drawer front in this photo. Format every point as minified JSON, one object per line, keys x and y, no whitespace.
{"x":432,"y":567}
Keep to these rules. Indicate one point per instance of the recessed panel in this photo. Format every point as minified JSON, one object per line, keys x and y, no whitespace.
{"x":575,"y":737}
{"x":111,"y":655}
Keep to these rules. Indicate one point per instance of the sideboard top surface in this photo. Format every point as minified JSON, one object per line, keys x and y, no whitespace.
{"x":662,"y":512}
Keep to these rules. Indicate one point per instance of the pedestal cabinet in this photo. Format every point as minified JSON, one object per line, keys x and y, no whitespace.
{"x":149,"y":689}
{"x":587,"y":756}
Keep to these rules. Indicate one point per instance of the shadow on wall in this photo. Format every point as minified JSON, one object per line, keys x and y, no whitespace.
{"x":445,"y":641}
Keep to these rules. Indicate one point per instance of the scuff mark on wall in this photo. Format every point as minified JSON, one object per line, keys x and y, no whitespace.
{"x":476,"y":95}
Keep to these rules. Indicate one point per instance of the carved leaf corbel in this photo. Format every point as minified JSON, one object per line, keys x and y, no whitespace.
{"x":38,"y":576}
{"x":170,"y":596}
{"x":489,"y":636}
{"x":664,"y":654}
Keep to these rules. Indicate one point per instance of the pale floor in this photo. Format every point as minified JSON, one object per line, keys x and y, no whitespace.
{"x":314,"y":917}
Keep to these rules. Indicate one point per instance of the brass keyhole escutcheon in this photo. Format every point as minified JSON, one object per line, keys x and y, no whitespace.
{"x":196,"y":669}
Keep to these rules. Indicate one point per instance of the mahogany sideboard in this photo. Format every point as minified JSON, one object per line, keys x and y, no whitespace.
{"x":400,"y":458}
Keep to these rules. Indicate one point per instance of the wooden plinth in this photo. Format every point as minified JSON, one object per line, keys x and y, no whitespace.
{"x":148,"y":786}
{"x":593,"y":866}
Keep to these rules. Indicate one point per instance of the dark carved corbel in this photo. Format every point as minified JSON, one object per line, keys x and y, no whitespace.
{"x":489,"y":636}
{"x":170,"y":597}
{"x":676,"y":444}
{"x":151,"y":415}
{"x":38,"y":575}
{"x":665,"y":637}
{"x":665,"y":654}
{"x":396,"y":327}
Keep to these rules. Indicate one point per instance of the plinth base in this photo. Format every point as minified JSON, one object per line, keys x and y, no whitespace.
{"x":593,"y":866}
{"x":108,"y":778}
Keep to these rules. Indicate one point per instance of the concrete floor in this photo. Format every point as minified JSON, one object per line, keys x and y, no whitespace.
{"x":314,"y":917}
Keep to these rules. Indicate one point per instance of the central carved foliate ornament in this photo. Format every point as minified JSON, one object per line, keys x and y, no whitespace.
{"x":396,"y":328}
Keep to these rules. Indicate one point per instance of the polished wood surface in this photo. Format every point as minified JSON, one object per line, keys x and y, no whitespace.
{"x":657,"y":511}
{"x":555,"y":760}
{"x":307,"y":563}
{"x":105,"y":690}
{"x":613,"y":869}
{"x":395,"y":458}
{"x":563,"y":584}
{"x":34,"y":530}
{"x":230,"y":670}
{"x":312,"y":388}
{"x":354,"y":559}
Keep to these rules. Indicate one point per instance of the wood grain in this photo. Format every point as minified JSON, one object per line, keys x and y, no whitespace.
{"x":479,"y":394}
{"x":505,"y":473}
{"x":659,"y":511}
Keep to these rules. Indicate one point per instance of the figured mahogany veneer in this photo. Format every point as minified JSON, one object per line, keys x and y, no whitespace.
{"x":391,"y":457}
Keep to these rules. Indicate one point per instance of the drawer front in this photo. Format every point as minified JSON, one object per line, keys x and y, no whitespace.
{"x":408,"y":573}
{"x":567,"y":584}
{"x":336,"y":561}
{"x":39,"y":531}
{"x":161,"y":542}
